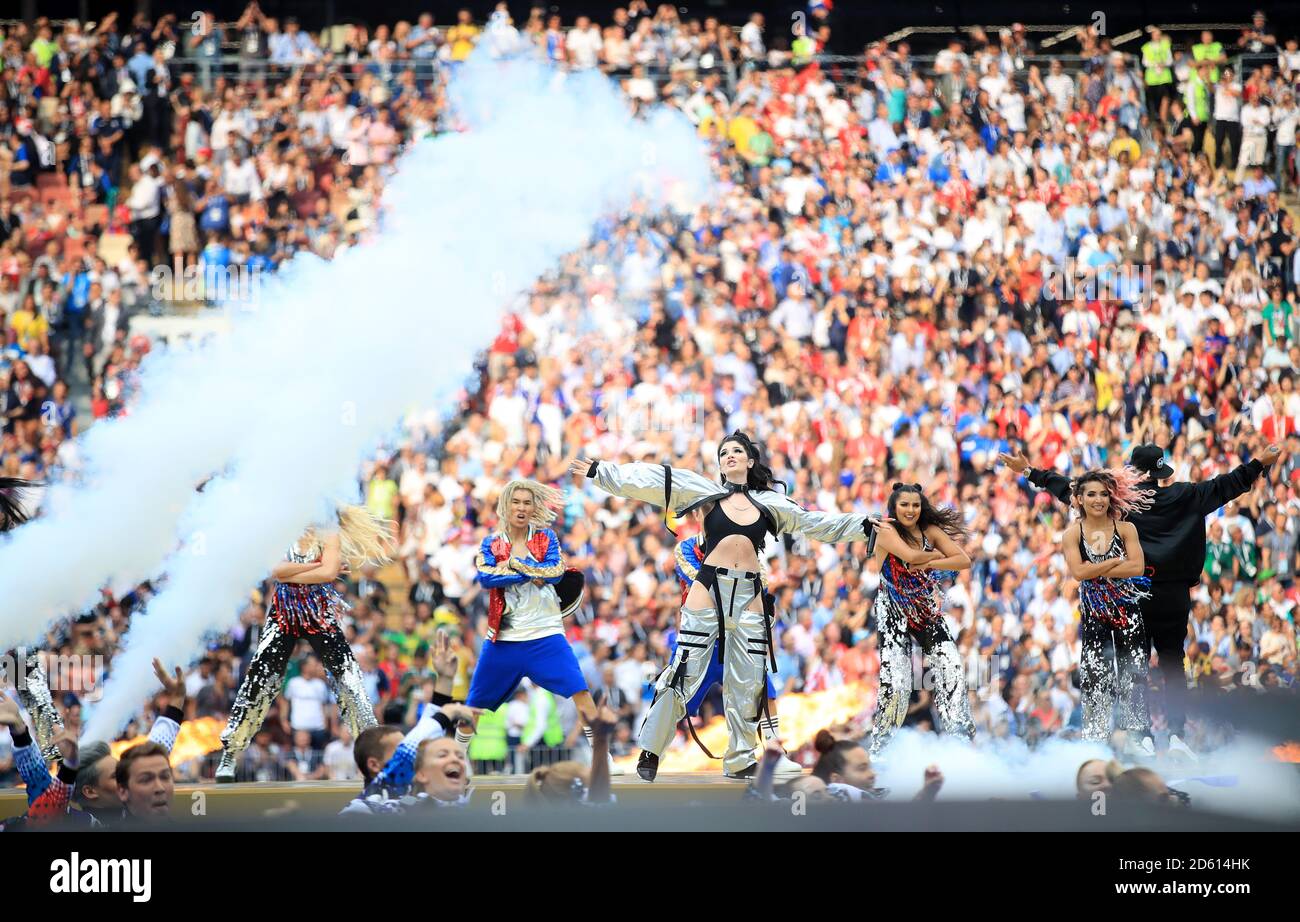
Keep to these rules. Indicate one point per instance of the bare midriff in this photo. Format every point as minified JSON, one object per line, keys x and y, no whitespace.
{"x":733,"y":552}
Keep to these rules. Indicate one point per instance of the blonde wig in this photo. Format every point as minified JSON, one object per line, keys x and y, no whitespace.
{"x":364,"y":538}
{"x":545,"y":501}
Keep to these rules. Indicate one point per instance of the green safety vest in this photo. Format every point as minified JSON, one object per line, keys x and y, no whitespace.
{"x":1210,"y":52}
{"x":1198,"y":97}
{"x":1158,"y":59}
{"x":489,"y":741}
{"x":553,"y":734}
{"x":801,"y":50}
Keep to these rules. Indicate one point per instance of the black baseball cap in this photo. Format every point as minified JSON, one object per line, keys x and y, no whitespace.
{"x":1151,"y":459}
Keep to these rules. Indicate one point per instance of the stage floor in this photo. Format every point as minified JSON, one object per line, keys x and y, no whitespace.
{"x":240,"y":801}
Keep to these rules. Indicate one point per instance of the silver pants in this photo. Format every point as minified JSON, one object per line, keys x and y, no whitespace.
{"x":946,"y":670}
{"x":1113,"y":673}
{"x":34,"y":695}
{"x":744,"y":676}
{"x":265,"y":677}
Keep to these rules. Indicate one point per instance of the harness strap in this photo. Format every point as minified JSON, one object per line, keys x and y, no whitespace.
{"x":668,"y":498}
{"x":690,"y":725}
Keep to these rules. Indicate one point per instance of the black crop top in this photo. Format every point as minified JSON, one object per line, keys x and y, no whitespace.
{"x":719,"y":525}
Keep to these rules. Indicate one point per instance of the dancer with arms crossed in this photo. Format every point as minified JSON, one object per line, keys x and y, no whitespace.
{"x":916,"y":542}
{"x":529,"y":595}
{"x":1172,"y":533}
{"x":305,"y":605}
{"x":1105,"y":555}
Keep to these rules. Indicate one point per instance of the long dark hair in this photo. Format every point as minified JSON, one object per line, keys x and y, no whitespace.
{"x":760,"y":475}
{"x":12,"y":513}
{"x":946,"y":517}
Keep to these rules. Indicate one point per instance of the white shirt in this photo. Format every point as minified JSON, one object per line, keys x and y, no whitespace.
{"x":307,"y":699}
{"x":144,"y":201}
{"x":584,"y":47}
{"x":1255,"y":120}
{"x":1227,"y":107}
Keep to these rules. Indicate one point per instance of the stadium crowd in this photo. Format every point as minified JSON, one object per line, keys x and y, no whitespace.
{"x":877,"y":295}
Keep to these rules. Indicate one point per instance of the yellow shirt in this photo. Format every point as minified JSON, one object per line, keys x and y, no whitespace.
{"x":1125,"y":144}
{"x":1105,"y":393}
{"x":29,"y":325}
{"x":462,"y":40}
{"x":740,"y":131}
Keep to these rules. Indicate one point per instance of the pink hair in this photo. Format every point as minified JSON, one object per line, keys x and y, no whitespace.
{"x":1123,"y":482}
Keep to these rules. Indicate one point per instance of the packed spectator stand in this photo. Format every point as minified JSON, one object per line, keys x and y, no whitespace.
{"x":875,"y":296}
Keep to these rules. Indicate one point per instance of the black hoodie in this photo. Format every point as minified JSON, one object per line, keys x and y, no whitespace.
{"x":1172,"y":531}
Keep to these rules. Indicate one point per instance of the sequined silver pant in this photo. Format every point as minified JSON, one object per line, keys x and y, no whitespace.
{"x":947,"y":675}
{"x":266,"y":677}
{"x":744,"y":675}
{"x":1113,"y":675}
{"x":34,"y":695}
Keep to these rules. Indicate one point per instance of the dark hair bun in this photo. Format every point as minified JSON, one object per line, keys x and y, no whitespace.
{"x":824,"y":741}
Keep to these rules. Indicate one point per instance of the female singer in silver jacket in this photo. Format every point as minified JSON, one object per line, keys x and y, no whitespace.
{"x":726,"y":608}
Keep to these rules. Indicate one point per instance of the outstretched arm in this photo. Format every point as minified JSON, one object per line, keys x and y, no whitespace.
{"x":1218,"y":491}
{"x":645,"y":482}
{"x":1056,"y":484}
{"x":831,"y":527}
{"x":47,"y":796}
{"x":602,"y":728}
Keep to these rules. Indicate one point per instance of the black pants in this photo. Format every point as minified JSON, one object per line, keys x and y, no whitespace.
{"x":1232,"y":132}
{"x":1165,"y":616}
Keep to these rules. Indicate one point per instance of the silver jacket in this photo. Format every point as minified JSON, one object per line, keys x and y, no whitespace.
{"x":688,"y":490}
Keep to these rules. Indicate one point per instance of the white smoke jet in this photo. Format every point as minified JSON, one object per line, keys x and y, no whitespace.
{"x":1241,"y":778}
{"x":468,"y":219}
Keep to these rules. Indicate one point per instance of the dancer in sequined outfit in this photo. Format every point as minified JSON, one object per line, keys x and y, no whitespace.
{"x":1104,"y":553}
{"x":305,"y":605}
{"x":31,"y":682}
{"x":916,"y":546}
{"x":727,"y":614}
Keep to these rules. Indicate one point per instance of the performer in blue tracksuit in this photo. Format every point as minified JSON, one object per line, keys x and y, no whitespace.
{"x":530,"y":593}
{"x":687,"y":558}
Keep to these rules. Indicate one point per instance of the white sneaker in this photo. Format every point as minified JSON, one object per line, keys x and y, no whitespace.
{"x":788,"y":766}
{"x":226,"y":768}
{"x":1178,"y":747}
{"x":615,"y":769}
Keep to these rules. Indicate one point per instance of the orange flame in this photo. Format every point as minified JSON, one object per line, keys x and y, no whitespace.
{"x":802,"y":715}
{"x":1287,"y":752}
{"x":197,"y":738}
